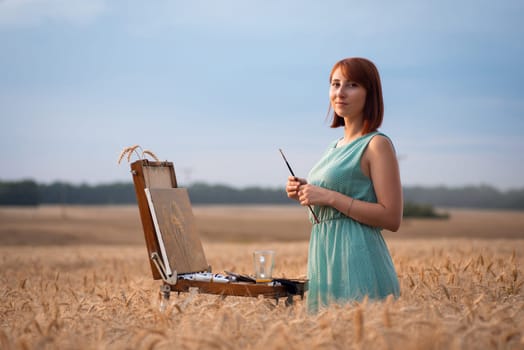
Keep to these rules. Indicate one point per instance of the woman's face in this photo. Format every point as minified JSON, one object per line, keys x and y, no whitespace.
{"x":347,"y":97}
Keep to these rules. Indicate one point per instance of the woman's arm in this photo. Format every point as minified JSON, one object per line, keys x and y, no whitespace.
{"x":380,"y":163}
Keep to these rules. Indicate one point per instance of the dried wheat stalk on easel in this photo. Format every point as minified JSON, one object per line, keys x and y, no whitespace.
{"x":129,"y":151}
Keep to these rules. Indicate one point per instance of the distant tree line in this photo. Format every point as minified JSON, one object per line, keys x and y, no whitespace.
{"x":25,"y":192}
{"x":466,"y":197}
{"x":419,"y":210}
{"x":28,"y":192}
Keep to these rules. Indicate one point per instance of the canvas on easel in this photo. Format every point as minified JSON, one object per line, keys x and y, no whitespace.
{"x":176,"y":230}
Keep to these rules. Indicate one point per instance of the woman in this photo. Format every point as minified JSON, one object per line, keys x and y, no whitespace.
{"x":355,"y":192}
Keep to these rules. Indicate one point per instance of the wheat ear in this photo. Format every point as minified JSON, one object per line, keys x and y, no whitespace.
{"x":150,"y":153}
{"x":122,"y":154}
{"x":131,"y":150}
{"x":358,"y":324}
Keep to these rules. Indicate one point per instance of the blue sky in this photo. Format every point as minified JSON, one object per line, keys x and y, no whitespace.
{"x":218,"y":86}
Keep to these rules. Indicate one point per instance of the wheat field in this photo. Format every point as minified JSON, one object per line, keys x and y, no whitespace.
{"x":78,"y":277}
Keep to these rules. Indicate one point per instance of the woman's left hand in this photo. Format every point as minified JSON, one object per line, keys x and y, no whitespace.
{"x":312,"y":195}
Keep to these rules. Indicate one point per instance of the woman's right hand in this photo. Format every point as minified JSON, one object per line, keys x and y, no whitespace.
{"x":293,"y":185}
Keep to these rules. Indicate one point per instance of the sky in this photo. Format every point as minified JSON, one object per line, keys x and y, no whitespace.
{"x":217,"y":87}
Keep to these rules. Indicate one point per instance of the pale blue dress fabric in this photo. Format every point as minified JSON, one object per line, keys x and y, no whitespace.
{"x":347,"y":260}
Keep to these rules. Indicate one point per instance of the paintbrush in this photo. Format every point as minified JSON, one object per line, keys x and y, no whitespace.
{"x":293,"y":174}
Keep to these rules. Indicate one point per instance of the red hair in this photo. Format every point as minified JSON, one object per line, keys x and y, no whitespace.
{"x":363,"y":72}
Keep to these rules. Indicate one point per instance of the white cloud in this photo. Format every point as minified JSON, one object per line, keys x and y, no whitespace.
{"x":22,"y":13}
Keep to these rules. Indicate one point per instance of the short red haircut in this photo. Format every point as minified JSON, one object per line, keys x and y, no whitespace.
{"x":363,"y":72}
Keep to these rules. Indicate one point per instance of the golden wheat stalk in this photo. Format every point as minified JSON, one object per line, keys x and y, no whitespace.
{"x":123,"y":154}
{"x":131,"y":150}
{"x":128,"y":151}
{"x":151,"y":154}
{"x":358,"y":325}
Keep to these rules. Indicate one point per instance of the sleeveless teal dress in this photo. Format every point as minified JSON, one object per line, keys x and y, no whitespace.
{"x":347,"y":260}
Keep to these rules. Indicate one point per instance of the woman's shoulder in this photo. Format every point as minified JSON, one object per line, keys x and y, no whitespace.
{"x":380,"y":141}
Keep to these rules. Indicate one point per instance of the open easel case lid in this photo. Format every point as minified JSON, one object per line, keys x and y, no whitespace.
{"x":167,"y":219}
